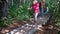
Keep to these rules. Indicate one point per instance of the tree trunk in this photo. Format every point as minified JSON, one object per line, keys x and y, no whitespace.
{"x":5,"y":8}
{"x":1,"y":9}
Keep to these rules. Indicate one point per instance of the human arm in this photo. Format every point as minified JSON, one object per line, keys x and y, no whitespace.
{"x":30,"y":8}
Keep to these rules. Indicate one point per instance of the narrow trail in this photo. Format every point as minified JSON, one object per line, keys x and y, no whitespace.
{"x":29,"y":28}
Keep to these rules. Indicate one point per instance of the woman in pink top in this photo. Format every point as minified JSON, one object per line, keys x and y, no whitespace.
{"x":35,"y":7}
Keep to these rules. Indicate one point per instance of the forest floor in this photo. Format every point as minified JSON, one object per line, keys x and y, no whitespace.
{"x":17,"y":26}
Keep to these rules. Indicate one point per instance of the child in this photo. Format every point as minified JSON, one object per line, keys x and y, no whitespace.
{"x":35,"y":7}
{"x":42,"y":7}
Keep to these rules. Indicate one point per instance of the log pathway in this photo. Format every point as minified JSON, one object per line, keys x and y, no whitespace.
{"x":29,"y":28}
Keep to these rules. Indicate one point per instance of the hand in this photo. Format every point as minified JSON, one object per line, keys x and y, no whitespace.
{"x":39,"y":12}
{"x":28,"y":8}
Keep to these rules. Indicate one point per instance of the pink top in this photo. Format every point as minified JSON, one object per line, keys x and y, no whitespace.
{"x":35,"y":7}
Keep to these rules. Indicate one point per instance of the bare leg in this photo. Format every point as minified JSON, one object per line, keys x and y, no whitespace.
{"x":35,"y":17}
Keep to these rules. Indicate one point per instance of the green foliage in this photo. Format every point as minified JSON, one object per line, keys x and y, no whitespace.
{"x":5,"y":22}
{"x":54,"y":6}
{"x":18,"y":9}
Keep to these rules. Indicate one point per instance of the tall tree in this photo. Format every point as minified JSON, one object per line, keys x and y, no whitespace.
{"x":5,"y":8}
{"x":0,"y":9}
